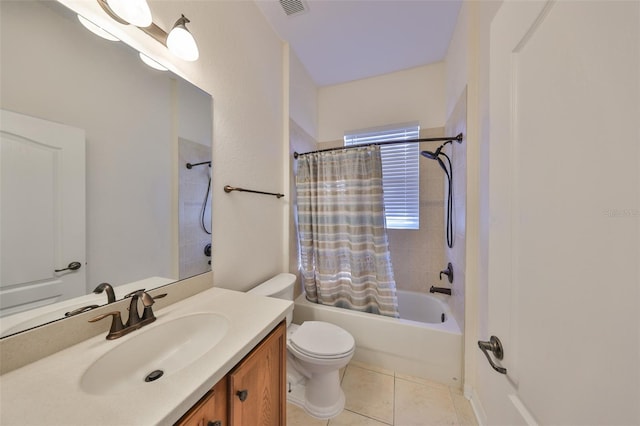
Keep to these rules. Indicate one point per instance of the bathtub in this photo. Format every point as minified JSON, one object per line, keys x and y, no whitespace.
{"x":419,"y":343}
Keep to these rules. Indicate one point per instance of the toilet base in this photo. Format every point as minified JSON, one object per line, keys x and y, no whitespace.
{"x":296,"y":395}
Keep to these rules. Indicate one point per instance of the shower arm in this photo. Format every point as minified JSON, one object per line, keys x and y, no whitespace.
{"x":192,"y":165}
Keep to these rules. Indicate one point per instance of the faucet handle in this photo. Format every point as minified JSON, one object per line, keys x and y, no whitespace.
{"x":448,"y":272}
{"x":147,"y":302}
{"x":116,"y":325}
{"x":159,"y":296}
{"x":81,"y":310}
{"x":134,"y":293}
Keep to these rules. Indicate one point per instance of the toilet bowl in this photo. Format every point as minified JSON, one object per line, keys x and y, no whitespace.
{"x":316,"y":351}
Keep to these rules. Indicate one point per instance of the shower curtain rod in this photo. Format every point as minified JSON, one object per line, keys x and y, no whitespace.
{"x":457,"y":138}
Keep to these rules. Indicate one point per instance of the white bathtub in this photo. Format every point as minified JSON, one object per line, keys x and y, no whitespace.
{"x":418,"y":343}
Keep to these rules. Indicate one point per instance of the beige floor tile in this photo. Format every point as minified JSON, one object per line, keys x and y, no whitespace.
{"x":421,"y":381}
{"x":455,"y":391}
{"x":296,"y":416}
{"x":372,"y":367}
{"x":347,"y":418}
{"x":422,"y":405}
{"x":466,"y":416}
{"x":369,"y":393}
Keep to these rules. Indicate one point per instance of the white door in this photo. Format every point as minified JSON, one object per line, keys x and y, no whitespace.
{"x":42,"y":212}
{"x":564,"y":255}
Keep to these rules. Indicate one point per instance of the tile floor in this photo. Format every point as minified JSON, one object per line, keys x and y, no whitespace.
{"x":379,"y":397}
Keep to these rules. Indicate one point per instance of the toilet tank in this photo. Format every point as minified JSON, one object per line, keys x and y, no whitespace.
{"x":280,"y":287}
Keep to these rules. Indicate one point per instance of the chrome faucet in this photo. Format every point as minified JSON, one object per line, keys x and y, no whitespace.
{"x":135,"y":320}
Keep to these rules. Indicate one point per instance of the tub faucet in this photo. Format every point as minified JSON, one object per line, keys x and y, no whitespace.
{"x":440,"y":290}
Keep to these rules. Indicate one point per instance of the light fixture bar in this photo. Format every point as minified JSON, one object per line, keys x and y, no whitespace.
{"x":184,"y":49}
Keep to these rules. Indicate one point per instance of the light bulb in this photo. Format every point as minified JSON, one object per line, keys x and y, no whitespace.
{"x":96,"y":29}
{"x":181,"y":43}
{"x":153,"y":64}
{"x":135,"y":12}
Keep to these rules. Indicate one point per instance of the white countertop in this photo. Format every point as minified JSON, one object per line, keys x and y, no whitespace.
{"x":48,"y":392}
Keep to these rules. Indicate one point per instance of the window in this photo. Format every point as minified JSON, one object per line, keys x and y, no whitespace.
{"x":400,"y":171}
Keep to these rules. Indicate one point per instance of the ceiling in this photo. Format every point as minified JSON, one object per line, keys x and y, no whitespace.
{"x":344,"y":40}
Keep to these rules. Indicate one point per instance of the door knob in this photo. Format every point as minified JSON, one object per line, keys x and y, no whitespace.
{"x":242,"y":394}
{"x":495,"y":347}
{"x":73,"y":266}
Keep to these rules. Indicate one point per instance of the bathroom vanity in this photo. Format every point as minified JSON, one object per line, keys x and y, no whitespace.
{"x":221,"y":355}
{"x":254,"y":389}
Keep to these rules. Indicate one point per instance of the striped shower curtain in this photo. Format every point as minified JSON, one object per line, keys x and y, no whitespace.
{"x":344,"y":251}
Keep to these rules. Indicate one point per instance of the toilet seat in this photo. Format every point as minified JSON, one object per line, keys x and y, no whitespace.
{"x":322,"y":340}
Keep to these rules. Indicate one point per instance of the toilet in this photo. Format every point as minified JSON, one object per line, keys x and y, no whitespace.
{"x":316,"y":351}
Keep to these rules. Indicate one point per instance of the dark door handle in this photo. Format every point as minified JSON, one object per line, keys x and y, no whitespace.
{"x":216,"y":423}
{"x":495,"y":346}
{"x":242,"y":394}
{"x":73,"y":266}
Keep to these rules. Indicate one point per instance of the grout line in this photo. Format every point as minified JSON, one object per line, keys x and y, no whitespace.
{"x":455,"y":408}
{"x":393,"y":419}
{"x":369,"y":417}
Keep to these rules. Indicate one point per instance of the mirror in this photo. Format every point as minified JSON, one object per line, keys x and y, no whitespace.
{"x":147,"y":218}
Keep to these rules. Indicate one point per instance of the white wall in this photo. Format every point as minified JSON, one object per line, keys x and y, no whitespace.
{"x":242,"y":65}
{"x":467,"y":66}
{"x":303,"y":131}
{"x":416,"y":94}
{"x":303,"y":97}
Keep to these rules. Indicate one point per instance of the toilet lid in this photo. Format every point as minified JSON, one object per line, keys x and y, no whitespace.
{"x":322,"y":339}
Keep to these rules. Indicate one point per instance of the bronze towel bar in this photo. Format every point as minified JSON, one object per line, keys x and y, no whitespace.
{"x":228,"y":188}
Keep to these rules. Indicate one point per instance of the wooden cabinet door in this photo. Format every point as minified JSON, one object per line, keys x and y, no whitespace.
{"x":210,"y":409}
{"x":257,"y":384}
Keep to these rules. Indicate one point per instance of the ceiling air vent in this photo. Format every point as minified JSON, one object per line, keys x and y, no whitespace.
{"x":292,"y":7}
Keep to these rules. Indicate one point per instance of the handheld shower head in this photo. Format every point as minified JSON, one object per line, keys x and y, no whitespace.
{"x":434,"y":155}
{"x":430,"y":155}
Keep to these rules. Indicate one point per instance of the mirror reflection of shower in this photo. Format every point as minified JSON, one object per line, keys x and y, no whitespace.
{"x":194,"y":196}
{"x":206,"y":195}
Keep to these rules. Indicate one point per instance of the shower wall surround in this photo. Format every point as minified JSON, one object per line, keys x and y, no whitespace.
{"x":457,"y":123}
{"x":416,"y":94}
{"x":418,"y":256}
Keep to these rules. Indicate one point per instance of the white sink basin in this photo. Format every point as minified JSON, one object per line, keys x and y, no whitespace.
{"x":165,"y":348}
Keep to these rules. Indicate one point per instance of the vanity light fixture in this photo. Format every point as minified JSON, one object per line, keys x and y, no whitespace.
{"x":153,"y":64}
{"x":97,"y":30}
{"x":180,"y":41}
{"x":135,"y":12}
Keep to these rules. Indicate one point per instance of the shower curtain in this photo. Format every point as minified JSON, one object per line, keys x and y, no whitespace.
{"x":344,"y":250}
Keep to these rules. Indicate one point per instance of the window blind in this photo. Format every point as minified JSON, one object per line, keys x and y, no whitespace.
{"x":400,"y":171}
